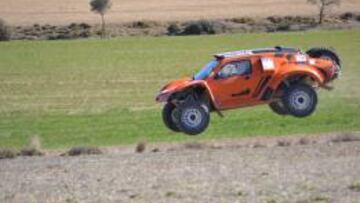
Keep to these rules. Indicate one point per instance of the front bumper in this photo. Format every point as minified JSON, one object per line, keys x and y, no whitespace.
{"x":162,"y":97}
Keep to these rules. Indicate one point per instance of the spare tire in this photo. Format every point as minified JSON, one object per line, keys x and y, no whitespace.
{"x":328,"y":54}
{"x":324,"y":52}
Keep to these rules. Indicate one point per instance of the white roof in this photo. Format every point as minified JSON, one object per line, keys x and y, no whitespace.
{"x":235,"y":53}
{"x":253,"y":51}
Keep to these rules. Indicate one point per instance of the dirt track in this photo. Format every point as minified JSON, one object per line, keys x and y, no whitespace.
{"x":320,"y":172}
{"x":28,"y":12}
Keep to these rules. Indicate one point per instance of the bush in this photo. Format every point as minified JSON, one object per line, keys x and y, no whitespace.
{"x":31,"y":152}
{"x":194,"y":145}
{"x":291,"y":20}
{"x":33,"y":148}
{"x":79,"y":26}
{"x":8,"y":153}
{"x":173,"y":29}
{"x":347,"y":16}
{"x":358,"y":18}
{"x":304,"y":141}
{"x":140,"y":147}
{"x":283,"y":27}
{"x":243,"y":20}
{"x":274,"y":19}
{"x":203,"y":27}
{"x":355,"y":187}
{"x":72,"y":31}
{"x":144,"y":24}
{"x":4,"y":31}
{"x":77,"y":151}
{"x":283,"y":143}
{"x":346,"y":138}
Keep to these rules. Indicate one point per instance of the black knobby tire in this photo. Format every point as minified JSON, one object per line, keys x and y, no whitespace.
{"x":324,"y":52}
{"x":300,"y":100}
{"x":169,"y":118}
{"x":193,"y":118}
{"x":278,"y":108}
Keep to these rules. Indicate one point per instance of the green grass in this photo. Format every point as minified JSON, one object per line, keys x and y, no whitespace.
{"x":101,"y":92}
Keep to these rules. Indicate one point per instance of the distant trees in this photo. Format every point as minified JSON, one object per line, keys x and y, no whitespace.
{"x":323,"y":6}
{"x":101,"y":7}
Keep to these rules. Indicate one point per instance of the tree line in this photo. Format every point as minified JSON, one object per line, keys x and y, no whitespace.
{"x":102,"y":6}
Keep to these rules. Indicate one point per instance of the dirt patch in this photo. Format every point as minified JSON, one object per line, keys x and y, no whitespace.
{"x":264,"y":142}
{"x":217,"y":171}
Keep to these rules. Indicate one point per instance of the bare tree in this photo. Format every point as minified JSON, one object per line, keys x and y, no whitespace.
{"x":101,"y":7}
{"x":323,"y":6}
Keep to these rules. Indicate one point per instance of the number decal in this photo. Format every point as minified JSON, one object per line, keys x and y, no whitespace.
{"x":267,"y":64}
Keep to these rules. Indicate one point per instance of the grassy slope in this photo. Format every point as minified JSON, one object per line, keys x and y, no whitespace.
{"x":102,"y":92}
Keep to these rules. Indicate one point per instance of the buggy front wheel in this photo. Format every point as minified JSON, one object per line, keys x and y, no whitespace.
{"x":193,"y":118}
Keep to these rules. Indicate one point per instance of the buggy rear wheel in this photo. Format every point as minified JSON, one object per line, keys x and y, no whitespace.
{"x":300,"y":100}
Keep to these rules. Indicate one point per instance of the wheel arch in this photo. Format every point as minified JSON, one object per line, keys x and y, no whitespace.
{"x":198,"y":89}
{"x":310,"y":77}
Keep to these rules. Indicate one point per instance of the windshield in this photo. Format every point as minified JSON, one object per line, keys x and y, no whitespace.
{"x":206,"y":70}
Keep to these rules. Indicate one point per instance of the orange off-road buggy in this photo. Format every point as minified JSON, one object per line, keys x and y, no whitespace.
{"x":283,"y":78}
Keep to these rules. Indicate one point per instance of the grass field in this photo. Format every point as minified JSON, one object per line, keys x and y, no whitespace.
{"x":101,"y":92}
{"x":28,"y":12}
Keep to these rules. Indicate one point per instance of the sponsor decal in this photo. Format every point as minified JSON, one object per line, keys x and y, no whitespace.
{"x":268,"y":64}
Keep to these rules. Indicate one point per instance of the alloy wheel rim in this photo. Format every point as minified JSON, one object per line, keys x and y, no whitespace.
{"x":192,"y":117}
{"x":300,"y":100}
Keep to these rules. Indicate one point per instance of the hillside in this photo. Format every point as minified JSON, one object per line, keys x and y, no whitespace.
{"x":25,"y":12}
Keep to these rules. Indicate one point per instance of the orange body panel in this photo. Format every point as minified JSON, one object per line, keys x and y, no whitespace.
{"x":249,"y":90}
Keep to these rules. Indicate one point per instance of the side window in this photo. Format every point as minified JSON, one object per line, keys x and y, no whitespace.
{"x":236,"y":68}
